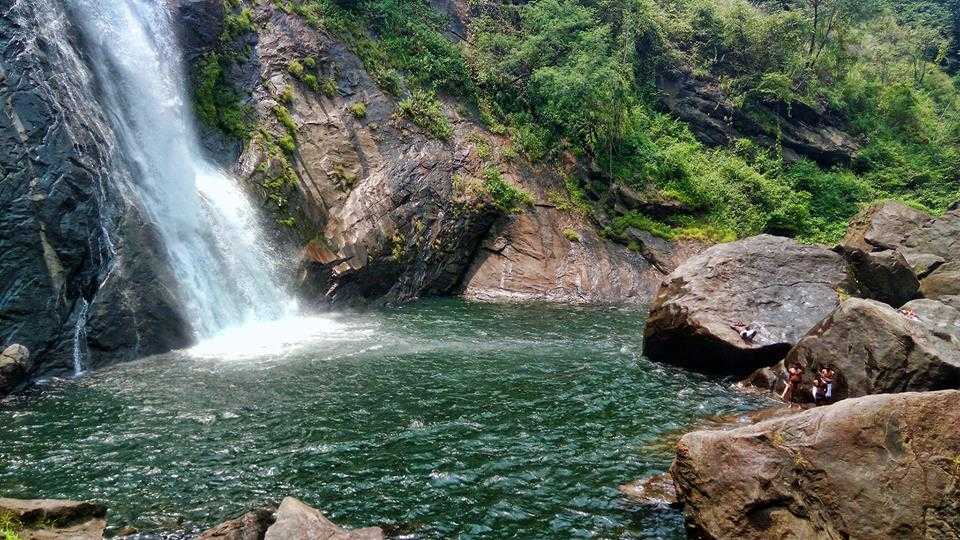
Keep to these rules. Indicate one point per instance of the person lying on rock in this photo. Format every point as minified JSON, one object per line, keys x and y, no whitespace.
{"x":794,"y":380}
{"x":910,"y":314}
{"x":746,"y":332}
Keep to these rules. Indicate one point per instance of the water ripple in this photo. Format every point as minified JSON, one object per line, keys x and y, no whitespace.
{"x":440,"y":419}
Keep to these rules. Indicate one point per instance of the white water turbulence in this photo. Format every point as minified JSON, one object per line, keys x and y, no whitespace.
{"x":217,"y":251}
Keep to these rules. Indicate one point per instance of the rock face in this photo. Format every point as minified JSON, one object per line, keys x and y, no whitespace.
{"x":775,"y":285}
{"x":14,"y":366}
{"x":876,"y":349}
{"x":297,"y":521}
{"x":872,"y":467}
{"x":715,"y":120}
{"x":80,"y":272}
{"x":528,"y":257}
{"x":386,"y":212}
{"x":50,"y":519}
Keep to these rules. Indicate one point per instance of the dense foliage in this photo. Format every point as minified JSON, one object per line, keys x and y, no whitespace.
{"x":579,"y":77}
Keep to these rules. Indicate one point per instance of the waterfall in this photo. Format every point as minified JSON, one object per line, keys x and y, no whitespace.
{"x":80,"y":338}
{"x":221,"y":259}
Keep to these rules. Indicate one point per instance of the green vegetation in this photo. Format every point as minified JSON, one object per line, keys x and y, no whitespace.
{"x":424,"y":110}
{"x":218,"y":104}
{"x":10,"y":526}
{"x":505,"y":196}
{"x":578,"y":77}
{"x":358,"y":110}
{"x":571,"y":235}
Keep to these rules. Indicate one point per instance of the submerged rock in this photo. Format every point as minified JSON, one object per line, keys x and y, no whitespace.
{"x":656,"y":490}
{"x":776,"y":286}
{"x":14,"y":366}
{"x":874,"y":467}
{"x":53,"y":519}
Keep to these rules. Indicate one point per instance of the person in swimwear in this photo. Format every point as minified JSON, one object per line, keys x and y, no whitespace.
{"x":794,"y":380}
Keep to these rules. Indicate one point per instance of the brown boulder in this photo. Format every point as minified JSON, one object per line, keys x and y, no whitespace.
{"x":883,"y":225}
{"x":251,"y":526}
{"x":53,"y":519}
{"x":777,"y":286}
{"x":944,"y":281}
{"x":297,"y":521}
{"x":877,"y":349}
{"x":872,"y":467}
{"x":882,"y":275}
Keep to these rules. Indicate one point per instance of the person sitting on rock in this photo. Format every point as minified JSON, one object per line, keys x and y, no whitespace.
{"x":794,"y":380}
{"x":745,"y":330}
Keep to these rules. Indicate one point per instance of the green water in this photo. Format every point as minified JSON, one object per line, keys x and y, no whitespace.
{"x":443,"y":419}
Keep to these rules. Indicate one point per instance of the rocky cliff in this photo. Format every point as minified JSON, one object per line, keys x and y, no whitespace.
{"x":386,"y":211}
{"x":80,"y":278}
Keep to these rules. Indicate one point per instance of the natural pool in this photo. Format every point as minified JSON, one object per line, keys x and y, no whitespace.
{"x":442,"y":418}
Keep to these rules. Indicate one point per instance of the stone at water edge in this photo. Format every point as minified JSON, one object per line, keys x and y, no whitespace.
{"x":14,"y":366}
{"x":777,"y":285}
{"x":251,"y":526}
{"x":297,"y":521}
{"x":878,"y":350}
{"x":70,"y":520}
{"x":874,"y":467}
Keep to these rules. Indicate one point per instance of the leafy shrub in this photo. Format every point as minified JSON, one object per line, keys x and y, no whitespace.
{"x":216,"y":102}
{"x":425,"y":111}
{"x":505,"y":196}
{"x":358,"y":110}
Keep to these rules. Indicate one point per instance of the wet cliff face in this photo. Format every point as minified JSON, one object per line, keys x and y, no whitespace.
{"x":385,"y":211}
{"x":79,"y":275}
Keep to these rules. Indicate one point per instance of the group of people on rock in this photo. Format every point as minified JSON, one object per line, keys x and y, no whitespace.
{"x":821,"y":388}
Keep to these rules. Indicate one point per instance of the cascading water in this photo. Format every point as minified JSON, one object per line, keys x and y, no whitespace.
{"x":226,"y":272}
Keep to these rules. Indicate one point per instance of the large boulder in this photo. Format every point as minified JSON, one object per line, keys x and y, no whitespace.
{"x":53,"y":519}
{"x":297,"y":521}
{"x":874,"y":467}
{"x":775,"y":285}
{"x":883,"y":226}
{"x":877,"y":349}
{"x":14,"y":366}
{"x":882,"y":275}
